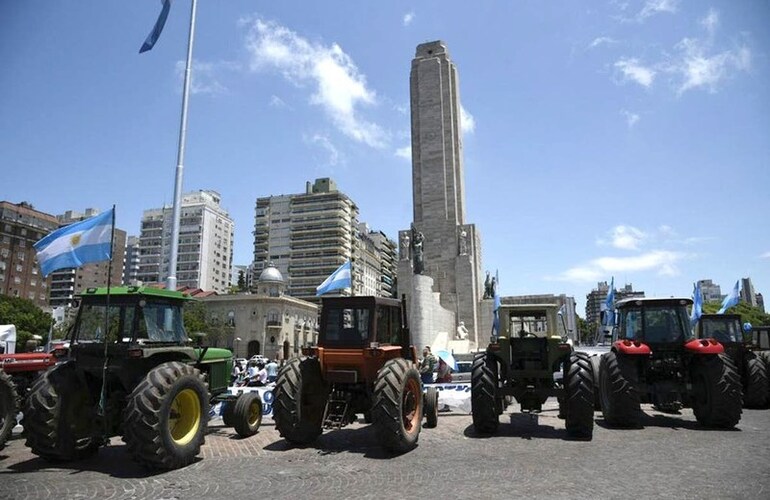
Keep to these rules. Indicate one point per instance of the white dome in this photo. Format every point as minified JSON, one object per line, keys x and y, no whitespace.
{"x":271,"y":275}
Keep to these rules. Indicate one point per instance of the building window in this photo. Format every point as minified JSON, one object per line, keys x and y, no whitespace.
{"x":22,"y":244}
{"x":20,"y":255}
{"x":16,"y":280}
{"x":23,"y":232}
{"x":19,"y":268}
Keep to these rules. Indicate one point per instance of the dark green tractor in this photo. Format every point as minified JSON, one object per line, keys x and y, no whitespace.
{"x":142,"y":380}
{"x":530,"y":361}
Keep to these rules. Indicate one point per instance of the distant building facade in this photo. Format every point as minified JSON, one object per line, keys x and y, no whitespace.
{"x":596,"y":298}
{"x":711,"y":291}
{"x":205,"y":242}
{"x":21,"y":226}
{"x":266,"y":322}
{"x":131,"y":261}
{"x":748,"y":295}
{"x":67,"y":283}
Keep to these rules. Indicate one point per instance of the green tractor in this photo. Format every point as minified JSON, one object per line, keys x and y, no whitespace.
{"x":141,"y":379}
{"x":525,"y":362}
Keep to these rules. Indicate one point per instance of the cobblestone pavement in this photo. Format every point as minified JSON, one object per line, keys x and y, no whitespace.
{"x":671,"y":457}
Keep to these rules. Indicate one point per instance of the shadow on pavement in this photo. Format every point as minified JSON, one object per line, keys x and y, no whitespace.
{"x":111,"y":460}
{"x":524,"y":426}
{"x":662,"y":420}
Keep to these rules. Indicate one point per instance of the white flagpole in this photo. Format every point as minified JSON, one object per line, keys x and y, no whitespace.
{"x":171,"y":279}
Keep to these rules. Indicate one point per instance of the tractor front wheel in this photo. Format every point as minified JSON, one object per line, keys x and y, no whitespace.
{"x":579,"y":402}
{"x":621,"y":403}
{"x":716,"y":399}
{"x":300,"y":399}
{"x":431,"y":408}
{"x":59,"y":417}
{"x":166,"y":416}
{"x":247,"y":414}
{"x":484,"y":404}
{"x":8,"y":407}
{"x":398,"y":405}
{"x":755,"y":394}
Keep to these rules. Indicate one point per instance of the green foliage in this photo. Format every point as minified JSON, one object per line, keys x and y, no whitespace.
{"x":586,"y":330}
{"x":25,"y":314}
{"x":753,"y":315}
{"x":197,"y":318}
{"x":241,"y":281}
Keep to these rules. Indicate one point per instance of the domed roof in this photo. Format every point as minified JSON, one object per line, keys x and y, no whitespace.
{"x":271,"y":274}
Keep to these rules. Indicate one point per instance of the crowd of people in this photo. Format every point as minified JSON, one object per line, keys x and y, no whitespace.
{"x":428,"y":364}
{"x":256,"y":373}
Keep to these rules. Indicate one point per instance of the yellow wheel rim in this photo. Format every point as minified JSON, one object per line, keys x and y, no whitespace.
{"x":255,"y":412}
{"x":185,"y":417}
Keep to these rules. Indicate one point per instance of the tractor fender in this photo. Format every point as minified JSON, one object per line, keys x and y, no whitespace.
{"x":704,"y":346}
{"x":631,"y":347}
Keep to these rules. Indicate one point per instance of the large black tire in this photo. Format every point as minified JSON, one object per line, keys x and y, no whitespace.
{"x":621,"y":402}
{"x":716,"y":398}
{"x":397,"y":410}
{"x":579,"y":398}
{"x":300,"y":399}
{"x":59,"y":416}
{"x":166,"y":416}
{"x":247,"y":414}
{"x":483,"y":394}
{"x":765,"y":357}
{"x":228,"y":413}
{"x":431,"y":408}
{"x":755,"y":394}
{"x":596,"y":370}
{"x":9,"y":407}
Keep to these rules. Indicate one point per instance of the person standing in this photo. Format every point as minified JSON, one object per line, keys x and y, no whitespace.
{"x":427,"y":365}
{"x":272,"y":371}
{"x":444,"y":375}
{"x":261,"y":374}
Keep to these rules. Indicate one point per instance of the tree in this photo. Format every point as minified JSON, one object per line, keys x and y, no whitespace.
{"x":241,"y":281}
{"x":753,"y":315}
{"x":198,"y":319}
{"x":25,"y":314}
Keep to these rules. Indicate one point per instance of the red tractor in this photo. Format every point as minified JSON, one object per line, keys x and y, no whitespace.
{"x":655,"y":359}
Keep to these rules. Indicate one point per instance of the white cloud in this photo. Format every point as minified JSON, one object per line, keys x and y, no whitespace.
{"x":340,"y":89}
{"x":467,"y":122}
{"x":602,"y":40}
{"x":624,"y":237}
{"x":405,"y":153}
{"x":697,"y":67}
{"x":653,"y":7}
{"x":711,"y":21}
{"x":631,"y":118}
{"x":765,"y":255}
{"x":277,"y":102}
{"x":408,"y":18}
{"x":632,"y":70}
{"x":662,"y":262}
{"x":325,"y":144}
{"x":204,"y":76}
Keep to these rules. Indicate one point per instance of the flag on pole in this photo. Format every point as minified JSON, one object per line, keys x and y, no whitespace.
{"x":149,"y":43}
{"x":697,"y":304}
{"x":731,"y":299}
{"x":336,"y":280}
{"x":77,"y":244}
{"x":495,"y":313}
{"x":609,"y":306}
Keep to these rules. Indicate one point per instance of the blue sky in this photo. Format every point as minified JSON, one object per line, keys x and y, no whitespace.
{"x":626,"y":139}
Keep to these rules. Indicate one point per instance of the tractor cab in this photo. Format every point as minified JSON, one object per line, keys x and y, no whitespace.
{"x":652,"y":321}
{"x":725,"y":328}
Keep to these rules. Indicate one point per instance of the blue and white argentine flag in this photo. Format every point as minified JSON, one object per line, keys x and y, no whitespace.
{"x":77,"y":244}
{"x":336,"y":280}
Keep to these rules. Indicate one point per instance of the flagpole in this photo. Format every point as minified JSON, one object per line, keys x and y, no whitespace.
{"x":171,"y":280}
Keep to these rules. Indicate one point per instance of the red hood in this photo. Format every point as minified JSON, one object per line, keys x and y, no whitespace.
{"x":30,"y":361}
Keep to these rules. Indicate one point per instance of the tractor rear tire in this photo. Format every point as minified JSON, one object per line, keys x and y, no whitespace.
{"x":247,"y":414}
{"x":579,"y":398}
{"x":596,"y":370}
{"x":765,"y":357}
{"x":398,"y":405}
{"x":621,"y":403}
{"x":166,"y":416}
{"x":483,"y":394}
{"x":9,"y":407}
{"x":59,"y":417}
{"x":300,"y":400}
{"x":716,"y":399}
{"x":431,"y":408}
{"x":755,"y":394}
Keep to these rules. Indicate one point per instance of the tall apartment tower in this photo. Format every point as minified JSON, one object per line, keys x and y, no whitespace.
{"x":747,"y":292}
{"x":305,"y":236}
{"x":451,"y":247}
{"x":21,"y":226}
{"x":595,"y":300}
{"x":131,"y":261}
{"x":67,"y":283}
{"x":711,"y":291}
{"x":205,"y":252}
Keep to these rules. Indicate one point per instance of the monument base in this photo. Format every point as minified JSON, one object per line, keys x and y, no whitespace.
{"x":459,"y":346}
{"x":427,"y":317}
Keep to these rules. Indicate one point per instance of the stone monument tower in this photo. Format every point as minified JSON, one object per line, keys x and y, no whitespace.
{"x":448,"y":266}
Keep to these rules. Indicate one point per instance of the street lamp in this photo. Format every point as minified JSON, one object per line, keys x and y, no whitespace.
{"x":237,"y":339}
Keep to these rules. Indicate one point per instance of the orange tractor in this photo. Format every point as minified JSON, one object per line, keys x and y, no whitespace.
{"x":364,"y":363}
